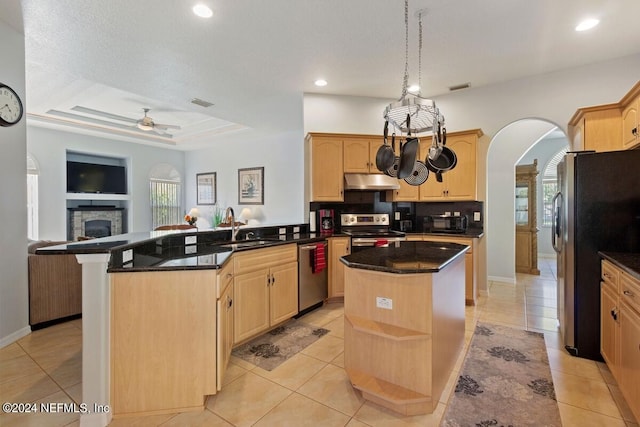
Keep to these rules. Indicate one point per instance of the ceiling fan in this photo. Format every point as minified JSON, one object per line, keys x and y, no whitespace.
{"x":146,"y":123}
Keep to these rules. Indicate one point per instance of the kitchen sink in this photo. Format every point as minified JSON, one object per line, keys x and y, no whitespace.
{"x":247,"y":243}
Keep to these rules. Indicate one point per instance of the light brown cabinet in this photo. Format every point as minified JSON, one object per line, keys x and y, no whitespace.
{"x":526,"y":219}
{"x":325,"y":168}
{"x":631,"y":118}
{"x":224,"y":310}
{"x":265,"y":289}
{"x":338,"y":247}
{"x":471,"y":262}
{"x":459,"y":183}
{"x":620,"y":330}
{"x":359,"y":154}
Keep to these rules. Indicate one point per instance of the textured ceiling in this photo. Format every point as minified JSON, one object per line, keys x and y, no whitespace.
{"x":255,"y":59}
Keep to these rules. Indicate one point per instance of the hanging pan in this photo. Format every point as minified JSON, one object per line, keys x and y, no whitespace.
{"x":408,"y":153}
{"x":436,"y":143}
{"x":446,"y":161}
{"x":392,"y":171}
{"x":385,"y":155}
{"x":419,"y":175}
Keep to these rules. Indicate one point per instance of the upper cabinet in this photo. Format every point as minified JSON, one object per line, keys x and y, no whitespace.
{"x":326,"y":168}
{"x":608,"y":127}
{"x":460,"y":182}
{"x":360,"y":154}
{"x":596,"y":128}
{"x":631,"y":119}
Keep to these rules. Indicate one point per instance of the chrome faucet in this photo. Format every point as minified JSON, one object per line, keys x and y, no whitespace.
{"x":230,"y":214}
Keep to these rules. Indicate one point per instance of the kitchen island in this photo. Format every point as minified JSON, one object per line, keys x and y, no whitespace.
{"x":404,"y":311}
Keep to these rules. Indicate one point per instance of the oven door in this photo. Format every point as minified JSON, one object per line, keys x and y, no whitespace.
{"x":362,"y":243}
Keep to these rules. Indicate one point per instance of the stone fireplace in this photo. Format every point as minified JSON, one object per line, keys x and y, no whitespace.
{"x":94,"y":221}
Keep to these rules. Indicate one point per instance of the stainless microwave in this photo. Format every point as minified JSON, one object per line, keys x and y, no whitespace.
{"x":445,"y":224}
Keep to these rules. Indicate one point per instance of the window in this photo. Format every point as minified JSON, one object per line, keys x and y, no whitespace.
{"x":32,"y":198}
{"x":164,"y":191}
{"x":550,"y":186}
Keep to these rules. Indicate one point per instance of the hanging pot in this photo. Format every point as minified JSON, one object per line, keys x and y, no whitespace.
{"x":385,"y":154}
{"x":408,"y":153}
{"x":392,"y":171}
{"x":436,"y":145}
{"x":419,"y":175}
{"x":446,"y":161}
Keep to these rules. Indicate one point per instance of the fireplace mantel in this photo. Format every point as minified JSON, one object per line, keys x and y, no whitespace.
{"x":81,"y":218}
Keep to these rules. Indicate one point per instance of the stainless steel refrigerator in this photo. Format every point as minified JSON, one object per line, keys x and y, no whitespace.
{"x":597,"y":208}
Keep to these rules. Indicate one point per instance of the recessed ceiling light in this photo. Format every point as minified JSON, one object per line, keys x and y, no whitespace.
{"x":202,"y":10}
{"x":587,"y":24}
{"x":320,"y":82}
{"x":414,"y":89}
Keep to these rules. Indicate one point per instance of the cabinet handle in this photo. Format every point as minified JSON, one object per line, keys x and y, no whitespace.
{"x":268,"y":279}
{"x":229,"y":303}
{"x":606,"y":275}
{"x":614,"y":314}
{"x":628,"y":293}
{"x":273,"y":279}
{"x":229,"y":275}
{"x":634,"y":131}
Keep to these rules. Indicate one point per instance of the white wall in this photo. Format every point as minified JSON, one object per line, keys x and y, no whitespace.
{"x":282,"y":158}
{"x":553,"y":97}
{"x":49,"y":146}
{"x":543,"y":151}
{"x":14,"y":312}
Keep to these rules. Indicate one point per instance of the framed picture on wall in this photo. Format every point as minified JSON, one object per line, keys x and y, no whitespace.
{"x":251,"y":186}
{"x":206,"y":188}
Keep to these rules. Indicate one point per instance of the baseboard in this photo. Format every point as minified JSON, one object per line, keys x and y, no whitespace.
{"x":510,"y":280}
{"x":11,"y":338}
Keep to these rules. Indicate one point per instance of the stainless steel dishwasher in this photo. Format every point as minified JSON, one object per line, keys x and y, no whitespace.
{"x":312,"y":287}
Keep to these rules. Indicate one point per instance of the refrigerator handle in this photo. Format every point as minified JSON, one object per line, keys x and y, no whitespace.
{"x":556,"y":221}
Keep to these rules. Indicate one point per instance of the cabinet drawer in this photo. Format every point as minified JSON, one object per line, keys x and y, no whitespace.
{"x":224,"y":278}
{"x":256,"y":259}
{"x":630,"y":291}
{"x":610,"y":276}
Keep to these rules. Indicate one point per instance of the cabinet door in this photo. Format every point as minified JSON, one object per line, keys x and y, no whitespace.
{"x":523,"y":251}
{"x":406,"y":192}
{"x":461,"y":181}
{"x":630,"y":129}
{"x":602,"y":129}
{"x":629,"y":377}
{"x":250,"y":304}
{"x":225,"y":333}
{"x":283,"y":292}
{"x":338,"y":247}
{"x":374,"y":145}
{"x":356,"y":155}
{"x":608,"y":328}
{"x":327,"y":174}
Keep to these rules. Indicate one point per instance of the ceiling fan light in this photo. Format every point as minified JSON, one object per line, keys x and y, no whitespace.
{"x":142,"y":126}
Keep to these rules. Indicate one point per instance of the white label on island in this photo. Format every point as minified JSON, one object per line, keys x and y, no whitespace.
{"x":386,"y":303}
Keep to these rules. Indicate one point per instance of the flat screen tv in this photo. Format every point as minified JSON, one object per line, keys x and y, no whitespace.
{"x":95,"y":178}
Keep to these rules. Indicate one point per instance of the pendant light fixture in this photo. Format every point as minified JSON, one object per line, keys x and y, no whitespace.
{"x":423,"y":113}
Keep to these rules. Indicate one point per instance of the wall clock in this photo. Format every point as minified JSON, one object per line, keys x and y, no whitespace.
{"x":10,"y":106}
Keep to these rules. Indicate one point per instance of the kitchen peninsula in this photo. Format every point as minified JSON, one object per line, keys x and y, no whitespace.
{"x":404,"y":322}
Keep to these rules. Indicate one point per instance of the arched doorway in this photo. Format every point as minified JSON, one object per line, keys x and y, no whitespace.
{"x":506,"y":148}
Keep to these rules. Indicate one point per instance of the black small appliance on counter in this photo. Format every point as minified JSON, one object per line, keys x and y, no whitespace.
{"x":445,"y":224}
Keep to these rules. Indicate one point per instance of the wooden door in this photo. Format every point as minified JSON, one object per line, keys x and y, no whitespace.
{"x":283,"y":292}
{"x":225,"y":332}
{"x":461,"y":180}
{"x":630,"y":357}
{"x":629,"y":123}
{"x":338,"y":247}
{"x":374,"y":145}
{"x":327,"y":174}
{"x":250,"y":304}
{"x":609,"y":313}
{"x":356,"y":155}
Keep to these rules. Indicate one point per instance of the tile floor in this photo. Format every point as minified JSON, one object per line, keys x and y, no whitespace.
{"x":312,"y":388}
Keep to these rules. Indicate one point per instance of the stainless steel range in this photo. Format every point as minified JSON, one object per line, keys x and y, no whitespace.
{"x":369,"y":230}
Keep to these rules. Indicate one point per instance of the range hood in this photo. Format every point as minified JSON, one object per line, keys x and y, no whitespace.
{"x":363,"y":181}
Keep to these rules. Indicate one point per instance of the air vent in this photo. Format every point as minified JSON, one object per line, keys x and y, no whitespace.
{"x":459,"y":87}
{"x":201,"y":102}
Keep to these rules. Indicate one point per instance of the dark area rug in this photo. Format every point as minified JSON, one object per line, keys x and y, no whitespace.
{"x":274,"y":347}
{"x":505,"y":381}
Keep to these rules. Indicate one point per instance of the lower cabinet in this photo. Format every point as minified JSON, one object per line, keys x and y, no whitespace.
{"x":338,"y":247}
{"x":620,"y":330}
{"x":225,"y":332}
{"x":265,"y":290}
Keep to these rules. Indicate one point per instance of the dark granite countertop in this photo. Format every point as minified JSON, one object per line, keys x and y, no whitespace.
{"x":474,"y":234}
{"x":181,"y":250}
{"x":627,"y":261}
{"x":406,"y":257}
